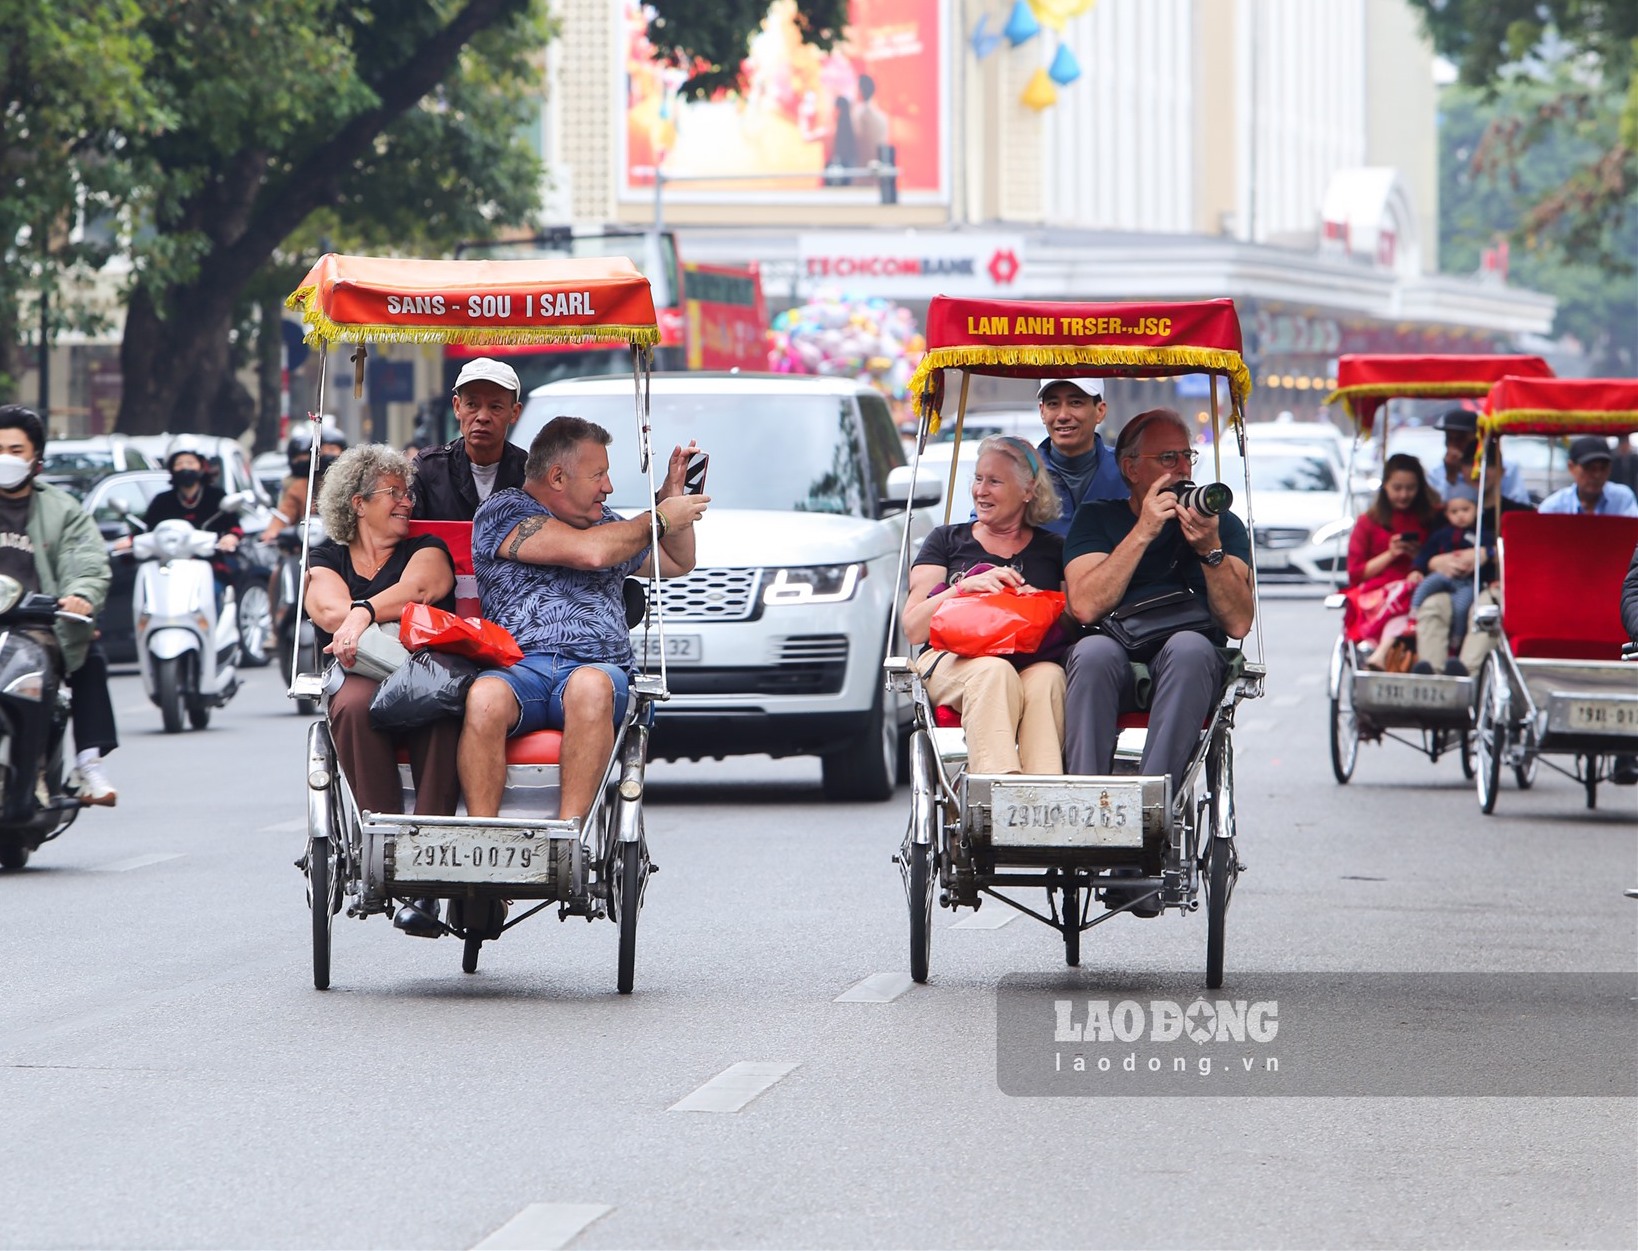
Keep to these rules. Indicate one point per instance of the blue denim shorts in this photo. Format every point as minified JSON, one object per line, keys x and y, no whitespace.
{"x":538,"y":682}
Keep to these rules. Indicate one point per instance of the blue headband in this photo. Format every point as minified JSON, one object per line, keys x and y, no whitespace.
{"x":1030,"y":458}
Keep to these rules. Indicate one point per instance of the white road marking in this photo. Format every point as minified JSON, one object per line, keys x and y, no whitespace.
{"x":285,"y":827}
{"x":734,"y":1087}
{"x":877,"y":988}
{"x":139,"y":862}
{"x":994,"y":919}
{"x":544,"y":1227}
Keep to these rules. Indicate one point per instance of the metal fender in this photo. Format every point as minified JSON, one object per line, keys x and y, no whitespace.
{"x":924,"y":814}
{"x":169,"y":642}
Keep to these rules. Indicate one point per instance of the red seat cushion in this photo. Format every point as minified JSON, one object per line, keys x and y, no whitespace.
{"x":946,"y":717}
{"x":540,"y":748}
{"x":457,"y":537}
{"x":1561,"y":584}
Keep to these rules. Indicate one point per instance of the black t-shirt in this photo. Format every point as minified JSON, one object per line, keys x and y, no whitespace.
{"x":336,"y":557}
{"x":1168,"y":564}
{"x":954,"y":549}
{"x":16,"y":548}
{"x":168,"y":506}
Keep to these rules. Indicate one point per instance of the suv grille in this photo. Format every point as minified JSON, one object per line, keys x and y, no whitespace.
{"x":1277,"y":538}
{"x":712,"y":595}
{"x":798,"y":664}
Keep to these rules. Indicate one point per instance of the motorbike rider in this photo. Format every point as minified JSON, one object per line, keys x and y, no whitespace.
{"x":293,"y":502}
{"x":50,"y":544}
{"x":452,"y":480}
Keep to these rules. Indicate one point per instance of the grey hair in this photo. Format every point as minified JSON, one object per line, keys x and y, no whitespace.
{"x":1131,"y":435}
{"x":557,"y":441}
{"x":356,"y":472}
{"x":1031,"y":472}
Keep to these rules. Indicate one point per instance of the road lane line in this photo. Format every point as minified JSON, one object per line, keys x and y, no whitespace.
{"x":994,"y":919}
{"x":544,"y":1227}
{"x":877,"y":988}
{"x":285,"y":827}
{"x":138,"y":862}
{"x":734,"y":1087}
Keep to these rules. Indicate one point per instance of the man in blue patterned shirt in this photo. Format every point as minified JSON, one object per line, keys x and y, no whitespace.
{"x":551,"y":558}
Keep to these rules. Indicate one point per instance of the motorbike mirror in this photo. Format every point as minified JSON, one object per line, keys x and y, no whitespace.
{"x":238,"y":502}
{"x":121,"y":505}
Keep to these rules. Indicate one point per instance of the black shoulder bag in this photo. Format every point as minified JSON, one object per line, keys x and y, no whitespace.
{"x":1143,"y":626}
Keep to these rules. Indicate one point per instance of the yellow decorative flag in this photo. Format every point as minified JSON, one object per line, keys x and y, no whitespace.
{"x":1040,"y":93}
{"x":1055,"y":13}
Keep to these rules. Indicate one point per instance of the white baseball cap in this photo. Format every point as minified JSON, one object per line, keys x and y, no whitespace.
{"x":487,"y":369}
{"x":1086,"y":386}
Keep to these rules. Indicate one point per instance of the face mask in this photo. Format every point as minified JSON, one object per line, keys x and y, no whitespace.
{"x":14,"y":471}
{"x":186,"y":479}
{"x":326,"y":461}
{"x":299,"y":468}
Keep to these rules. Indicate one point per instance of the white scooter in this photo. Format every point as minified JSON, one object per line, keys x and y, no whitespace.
{"x":188,"y":653}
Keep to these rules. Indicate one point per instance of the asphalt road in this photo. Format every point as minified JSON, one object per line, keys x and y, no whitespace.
{"x":169,"y":1077}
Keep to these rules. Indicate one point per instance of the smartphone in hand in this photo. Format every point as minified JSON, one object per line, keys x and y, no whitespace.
{"x":694,"y":474}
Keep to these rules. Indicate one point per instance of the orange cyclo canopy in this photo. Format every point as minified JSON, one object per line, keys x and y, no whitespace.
{"x":358,"y":299}
{"x":1561,"y":406}
{"x":1364,"y":381}
{"x":1048,"y":339}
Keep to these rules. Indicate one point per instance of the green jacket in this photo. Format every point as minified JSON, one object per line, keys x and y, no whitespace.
{"x":71,"y":559}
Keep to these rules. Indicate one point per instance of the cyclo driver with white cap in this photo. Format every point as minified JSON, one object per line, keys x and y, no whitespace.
{"x":452,"y":480}
{"x":1074,"y":454}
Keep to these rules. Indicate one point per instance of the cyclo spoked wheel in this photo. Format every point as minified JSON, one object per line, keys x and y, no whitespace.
{"x":1071,"y":900}
{"x":322,"y":889}
{"x":1490,"y":738}
{"x":630,"y":888}
{"x":1222,"y":863}
{"x":919,"y":854}
{"x":1468,"y":767}
{"x":920,"y":894}
{"x":1344,"y":722}
{"x":1525,"y":774}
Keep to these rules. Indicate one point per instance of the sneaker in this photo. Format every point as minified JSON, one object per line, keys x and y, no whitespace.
{"x":1455,"y":668}
{"x":419,"y":918}
{"x":1423,"y":667}
{"x":94,"y":786}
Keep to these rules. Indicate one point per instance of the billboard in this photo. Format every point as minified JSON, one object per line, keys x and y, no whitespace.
{"x":800,"y":111}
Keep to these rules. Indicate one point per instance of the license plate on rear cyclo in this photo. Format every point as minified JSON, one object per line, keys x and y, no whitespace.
{"x":1048,"y":815}
{"x":478,"y":854}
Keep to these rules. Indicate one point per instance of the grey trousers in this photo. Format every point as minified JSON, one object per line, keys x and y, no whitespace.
{"x":1186,"y":673}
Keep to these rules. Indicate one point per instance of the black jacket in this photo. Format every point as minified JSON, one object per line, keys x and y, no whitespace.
{"x":1629,"y":599}
{"x":168,"y":506}
{"x":444,"y":490}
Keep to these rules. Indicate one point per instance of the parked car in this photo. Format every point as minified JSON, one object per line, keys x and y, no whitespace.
{"x":982,"y":421}
{"x":1295,"y":494}
{"x":271,"y":469}
{"x":775,"y":641}
{"x":75,"y":464}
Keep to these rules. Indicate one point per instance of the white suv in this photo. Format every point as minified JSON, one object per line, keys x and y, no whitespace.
{"x":775,"y":642}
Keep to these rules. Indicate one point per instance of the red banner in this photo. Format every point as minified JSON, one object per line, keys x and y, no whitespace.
{"x":1365,"y":381}
{"x":1561,"y":406}
{"x":351,"y":299}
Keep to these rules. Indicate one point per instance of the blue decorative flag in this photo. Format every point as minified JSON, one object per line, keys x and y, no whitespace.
{"x":983,"y":41}
{"x":1021,"y":27}
{"x":1065,"y":69}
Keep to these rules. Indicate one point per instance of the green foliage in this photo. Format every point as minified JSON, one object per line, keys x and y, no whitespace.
{"x":1584,"y":261}
{"x":709,"y":38}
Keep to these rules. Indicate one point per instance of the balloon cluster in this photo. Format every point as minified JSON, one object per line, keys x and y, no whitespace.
{"x":1023,"y":23}
{"x":871,"y":340}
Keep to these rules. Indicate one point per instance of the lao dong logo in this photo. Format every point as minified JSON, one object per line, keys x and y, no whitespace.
{"x":1166,"y":1021}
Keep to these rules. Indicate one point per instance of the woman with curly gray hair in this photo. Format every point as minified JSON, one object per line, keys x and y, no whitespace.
{"x":1012,"y":707}
{"x":369,"y":570}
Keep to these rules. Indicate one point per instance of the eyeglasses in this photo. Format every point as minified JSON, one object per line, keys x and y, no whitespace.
{"x":1170,"y":460}
{"x":399,"y":494}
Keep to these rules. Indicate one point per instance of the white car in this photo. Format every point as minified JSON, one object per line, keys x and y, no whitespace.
{"x":1296,"y":493}
{"x":775,"y":642}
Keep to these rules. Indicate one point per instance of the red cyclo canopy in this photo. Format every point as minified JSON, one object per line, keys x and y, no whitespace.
{"x":1365,"y":380}
{"x":1557,"y":406}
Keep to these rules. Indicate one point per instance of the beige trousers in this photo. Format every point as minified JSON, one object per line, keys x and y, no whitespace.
{"x":1013,"y":720}
{"x":1433,"y":631}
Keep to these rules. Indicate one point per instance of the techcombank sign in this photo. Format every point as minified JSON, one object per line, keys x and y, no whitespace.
{"x":914,"y":265}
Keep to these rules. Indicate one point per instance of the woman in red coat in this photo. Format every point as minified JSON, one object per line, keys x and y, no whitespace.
{"x":1388,"y":534}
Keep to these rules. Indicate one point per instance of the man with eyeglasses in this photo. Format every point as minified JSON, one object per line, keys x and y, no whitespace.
{"x":1121,"y":555}
{"x":453,"y":480}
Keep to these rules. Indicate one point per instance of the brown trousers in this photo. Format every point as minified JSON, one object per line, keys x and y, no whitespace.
{"x":370,"y":761}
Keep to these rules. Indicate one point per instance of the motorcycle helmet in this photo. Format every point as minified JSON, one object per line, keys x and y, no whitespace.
{"x":299,"y":448}
{"x":186,"y":446}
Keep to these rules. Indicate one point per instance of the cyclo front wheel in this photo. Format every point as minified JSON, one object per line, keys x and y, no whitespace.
{"x":630,"y":889}
{"x":322,"y":889}
{"x":920,"y":888}
{"x":1222,"y":863}
{"x":1344,"y":720}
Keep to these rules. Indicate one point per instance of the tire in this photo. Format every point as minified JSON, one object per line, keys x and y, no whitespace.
{"x":13,"y":855}
{"x":1490,"y":739}
{"x":1525,"y":774}
{"x":169,"y":687}
{"x":1219,"y":859}
{"x":919,"y":894}
{"x":865,"y":770}
{"x":322,"y":889}
{"x":630,"y":887}
{"x":469,"y":952}
{"x":1468,"y":766}
{"x":1344,"y":722}
{"x":199,"y":715}
{"x":1071,"y":900}
{"x":1591,"y":782}
{"x":255,"y":623}
{"x":283,"y":648}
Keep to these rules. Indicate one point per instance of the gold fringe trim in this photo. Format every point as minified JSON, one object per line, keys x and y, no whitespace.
{"x":1590,"y":421}
{"x":1219,"y":359}
{"x":1405,"y":390}
{"x":321,"y":330}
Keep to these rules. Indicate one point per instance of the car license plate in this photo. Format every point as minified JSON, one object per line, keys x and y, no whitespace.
{"x":1602,"y":716}
{"x":680,"y":649}
{"x":1029,"y":815}
{"x":478,"y":854}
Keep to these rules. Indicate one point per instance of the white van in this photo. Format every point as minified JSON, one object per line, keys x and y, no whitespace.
{"x":776,"y":640}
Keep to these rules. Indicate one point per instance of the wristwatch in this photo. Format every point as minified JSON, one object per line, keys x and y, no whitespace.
{"x":370,"y":608}
{"x":1213,"y":557}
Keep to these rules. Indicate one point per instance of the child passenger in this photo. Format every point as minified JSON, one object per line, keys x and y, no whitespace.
{"x":1458,"y":534}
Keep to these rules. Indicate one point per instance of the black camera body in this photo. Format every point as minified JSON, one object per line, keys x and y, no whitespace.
{"x":1211,"y":498}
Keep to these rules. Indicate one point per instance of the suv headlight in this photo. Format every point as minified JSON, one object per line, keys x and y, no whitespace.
{"x":813,"y":584}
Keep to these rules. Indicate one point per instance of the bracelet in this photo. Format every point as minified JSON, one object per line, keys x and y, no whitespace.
{"x":661,"y":522}
{"x":366,"y":606}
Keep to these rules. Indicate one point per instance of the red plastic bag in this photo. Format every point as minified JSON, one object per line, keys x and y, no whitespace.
{"x":998,"y":623}
{"x":1368,"y":610}
{"x":424,"y":627}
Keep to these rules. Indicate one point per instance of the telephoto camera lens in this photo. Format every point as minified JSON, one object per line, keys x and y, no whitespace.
{"x":1213,"y":499}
